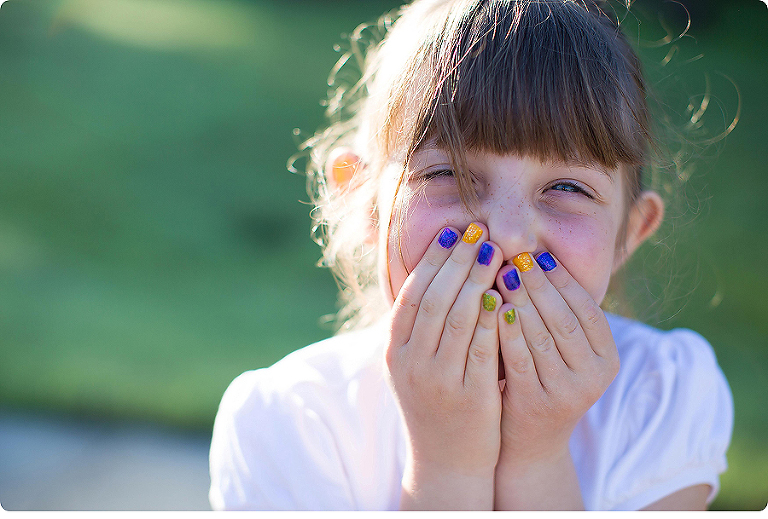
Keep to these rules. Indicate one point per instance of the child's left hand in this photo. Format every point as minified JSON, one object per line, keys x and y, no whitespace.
{"x":559,"y":357}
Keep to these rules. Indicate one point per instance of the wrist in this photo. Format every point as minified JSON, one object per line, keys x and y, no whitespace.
{"x":434,"y":487}
{"x":540,"y":483}
{"x":523,"y":464}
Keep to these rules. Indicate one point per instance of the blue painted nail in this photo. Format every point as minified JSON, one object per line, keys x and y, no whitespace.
{"x":485,"y":255}
{"x":511,"y":280}
{"x":546,"y":261}
{"x":447,"y":238}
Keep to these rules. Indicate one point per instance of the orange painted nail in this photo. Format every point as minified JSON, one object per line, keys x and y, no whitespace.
{"x":523,"y":261}
{"x":472,"y":234}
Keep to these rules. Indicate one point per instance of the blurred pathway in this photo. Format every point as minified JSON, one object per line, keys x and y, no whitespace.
{"x":55,"y":463}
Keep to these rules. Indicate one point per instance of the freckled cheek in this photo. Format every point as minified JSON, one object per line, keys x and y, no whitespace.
{"x":416,"y":237}
{"x":587,"y":252}
{"x":420,"y":227}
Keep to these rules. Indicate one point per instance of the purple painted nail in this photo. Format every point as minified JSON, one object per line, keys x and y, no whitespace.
{"x":447,"y":238}
{"x":485,"y":255}
{"x":511,"y":280}
{"x":546,"y":261}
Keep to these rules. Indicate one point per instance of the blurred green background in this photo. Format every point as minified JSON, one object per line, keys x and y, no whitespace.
{"x":153,"y":245}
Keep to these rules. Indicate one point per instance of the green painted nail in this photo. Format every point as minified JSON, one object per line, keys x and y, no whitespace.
{"x":489,"y":302}
{"x":509,"y":316}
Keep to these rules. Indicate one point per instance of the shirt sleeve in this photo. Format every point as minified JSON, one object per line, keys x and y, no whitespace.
{"x":674,"y":424}
{"x":271,"y":451}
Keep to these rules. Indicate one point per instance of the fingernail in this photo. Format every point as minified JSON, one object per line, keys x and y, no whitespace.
{"x":509,"y":316}
{"x":489,"y":302}
{"x":472,"y":234}
{"x":447,"y":238}
{"x":546,"y":261}
{"x":511,"y":280}
{"x":485,"y":255}
{"x":523,"y":261}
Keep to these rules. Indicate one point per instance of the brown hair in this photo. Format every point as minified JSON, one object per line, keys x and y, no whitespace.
{"x":552,"y":79}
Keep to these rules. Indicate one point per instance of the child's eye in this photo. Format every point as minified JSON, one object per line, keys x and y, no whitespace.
{"x":570,"y":187}
{"x":439,"y":173}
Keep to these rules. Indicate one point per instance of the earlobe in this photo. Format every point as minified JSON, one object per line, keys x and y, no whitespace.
{"x":342,"y":166}
{"x":644,"y":219}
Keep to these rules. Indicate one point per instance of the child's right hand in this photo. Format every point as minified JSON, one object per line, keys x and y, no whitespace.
{"x":442,"y":360}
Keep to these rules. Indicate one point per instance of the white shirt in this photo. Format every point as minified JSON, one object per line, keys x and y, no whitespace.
{"x":320,"y":430}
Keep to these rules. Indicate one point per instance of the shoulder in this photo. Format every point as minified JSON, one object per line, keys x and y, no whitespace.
{"x":312,"y":373}
{"x":672,"y":373}
{"x":666,"y":367}
{"x":275,"y":442}
{"x":666,"y":420}
{"x":646,"y":350}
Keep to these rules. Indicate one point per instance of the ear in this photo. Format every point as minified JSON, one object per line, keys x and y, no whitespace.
{"x":341,"y":168}
{"x":644,"y":219}
{"x":342,"y":172}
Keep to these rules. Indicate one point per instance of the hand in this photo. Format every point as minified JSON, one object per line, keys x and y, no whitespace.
{"x":559,"y":357}
{"x":442,"y":360}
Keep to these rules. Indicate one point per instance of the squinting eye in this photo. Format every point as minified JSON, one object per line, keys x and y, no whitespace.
{"x":438,"y":174}
{"x":569,"y":188}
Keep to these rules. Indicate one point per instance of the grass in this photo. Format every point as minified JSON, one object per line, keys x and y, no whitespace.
{"x":154,"y":245}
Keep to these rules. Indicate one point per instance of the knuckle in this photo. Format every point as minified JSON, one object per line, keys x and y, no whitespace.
{"x":541,"y":341}
{"x":569,"y":325}
{"x":592,"y":313}
{"x":477,"y":279}
{"x":433,"y":260}
{"x":428,"y":306}
{"x":412,"y":380}
{"x":458,"y":260}
{"x":455,"y":324}
{"x":406,"y":300}
{"x":519,"y":364}
{"x":561,"y":282}
{"x":391,"y":357}
{"x":535,"y":283}
{"x":466,"y":404}
{"x":441,"y":391}
{"x":479,"y":355}
{"x":409,"y":295}
{"x":487,"y":321}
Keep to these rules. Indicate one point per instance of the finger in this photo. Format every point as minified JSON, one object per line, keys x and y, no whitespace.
{"x":547,"y":359}
{"x":482,"y":359}
{"x":443,"y":289}
{"x":462,"y":318}
{"x":407,"y":303}
{"x":591,"y":317}
{"x":519,"y":368}
{"x":555,"y":312}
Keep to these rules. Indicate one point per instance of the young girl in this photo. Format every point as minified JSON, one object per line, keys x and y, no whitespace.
{"x":475,"y":201}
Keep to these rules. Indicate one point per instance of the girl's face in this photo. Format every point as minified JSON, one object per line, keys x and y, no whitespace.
{"x":573,"y":212}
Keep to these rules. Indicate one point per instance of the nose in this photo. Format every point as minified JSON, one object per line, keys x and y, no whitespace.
{"x":512,"y":226}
